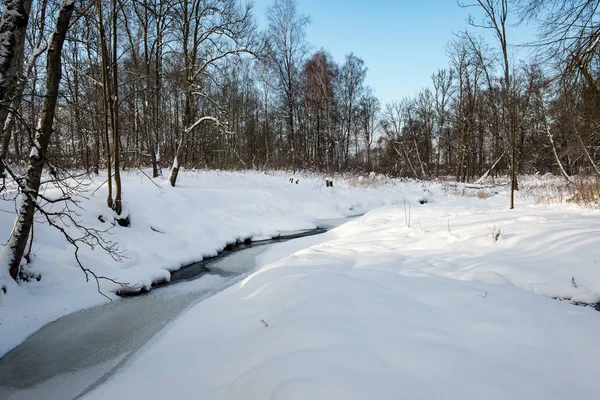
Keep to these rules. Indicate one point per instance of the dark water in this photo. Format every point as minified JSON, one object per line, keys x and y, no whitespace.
{"x":206,"y":266}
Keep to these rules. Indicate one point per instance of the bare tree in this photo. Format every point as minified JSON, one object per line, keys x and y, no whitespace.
{"x":442,"y":85}
{"x":37,"y":156}
{"x":569,"y":37}
{"x":114,"y":104}
{"x":496,"y":18}
{"x":394,"y":121}
{"x":425,"y":109}
{"x":13,"y":27}
{"x":540,"y":100}
{"x":369,"y":108}
{"x":569,"y":34}
{"x":288,"y":48}
{"x":106,"y":98}
{"x":17,"y":96}
{"x":351,"y":86}
{"x":318,"y":96}
{"x":210,"y":31}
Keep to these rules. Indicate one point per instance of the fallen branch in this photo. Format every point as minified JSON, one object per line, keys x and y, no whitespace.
{"x":156,"y":230}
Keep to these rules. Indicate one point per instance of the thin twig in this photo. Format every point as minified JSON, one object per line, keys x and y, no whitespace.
{"x":150,"y":179}
{"x":91,"y":237}
{"x":103,"y":183}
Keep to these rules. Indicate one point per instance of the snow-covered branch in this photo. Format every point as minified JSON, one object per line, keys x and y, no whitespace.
{"x":201,"y":120}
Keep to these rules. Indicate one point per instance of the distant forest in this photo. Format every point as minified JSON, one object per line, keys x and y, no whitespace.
{"x":200,"y":82}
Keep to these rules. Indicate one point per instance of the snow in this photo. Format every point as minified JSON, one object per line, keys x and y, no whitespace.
{"x":206,"y":211}
{"x":34,"y":152}
{"x":374,"y":309}
{"x":410,"y":300}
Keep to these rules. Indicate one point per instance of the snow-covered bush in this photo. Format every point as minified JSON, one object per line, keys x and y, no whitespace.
{"x":495,"y":232}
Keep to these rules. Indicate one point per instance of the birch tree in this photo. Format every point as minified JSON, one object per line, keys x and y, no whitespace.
{"x":29,"y":187}
{"x":13,"y":27}
{"x":17,"y":95}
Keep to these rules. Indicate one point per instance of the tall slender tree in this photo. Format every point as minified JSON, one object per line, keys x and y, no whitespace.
{"x":29,"y":188}
{"x":287,"y":35}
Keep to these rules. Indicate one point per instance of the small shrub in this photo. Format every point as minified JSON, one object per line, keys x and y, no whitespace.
{"x":586,"y":191}
{"x":496,"y":232}
{"x":582,"y":191}
{"x":482,"y":195}
{"x":466,"y":190}
{"x":370,"y":181}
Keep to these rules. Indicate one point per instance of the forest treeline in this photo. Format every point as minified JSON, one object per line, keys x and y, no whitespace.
{"x":91,"y":85}
{"x":270,"y":101}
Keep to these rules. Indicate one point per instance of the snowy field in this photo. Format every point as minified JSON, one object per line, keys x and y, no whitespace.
{"x":171,"y":227}
{"x":380,"y":310}
{"x":448,"y":299}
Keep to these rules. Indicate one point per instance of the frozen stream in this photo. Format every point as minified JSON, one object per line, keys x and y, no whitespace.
{"x":71,"y":356}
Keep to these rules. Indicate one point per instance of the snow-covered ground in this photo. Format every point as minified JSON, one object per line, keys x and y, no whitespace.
{"x":171,"y":227}
{"x":411,"y":300}
{"x":375,"y":309}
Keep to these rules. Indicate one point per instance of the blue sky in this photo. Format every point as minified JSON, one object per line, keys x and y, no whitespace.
{"x":401,"y":41}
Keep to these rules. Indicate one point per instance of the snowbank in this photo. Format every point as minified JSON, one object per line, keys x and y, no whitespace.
{"x":171,"y":227}
{"x":377,"y":309}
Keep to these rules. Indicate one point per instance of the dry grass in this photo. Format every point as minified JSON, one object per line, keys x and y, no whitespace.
{"x":467,"y":190}
{"x":482,"y":195}
{"x":584,"y":191}
{"x":369,"y":181}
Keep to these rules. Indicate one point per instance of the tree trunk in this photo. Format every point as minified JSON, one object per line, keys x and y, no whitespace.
{"x":18,"y":95}
{"x":175,"y":168}
{"x":587,"y":153}
{"x":187,"y":118}
{"x":28,"y":198}
{"x":13,"y":27}
{"x":157,"y":94}
{"x":118,"y":207}
{"x":186,"y":132}
{"x":551,"y":140}
{"x":105,"y":99}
